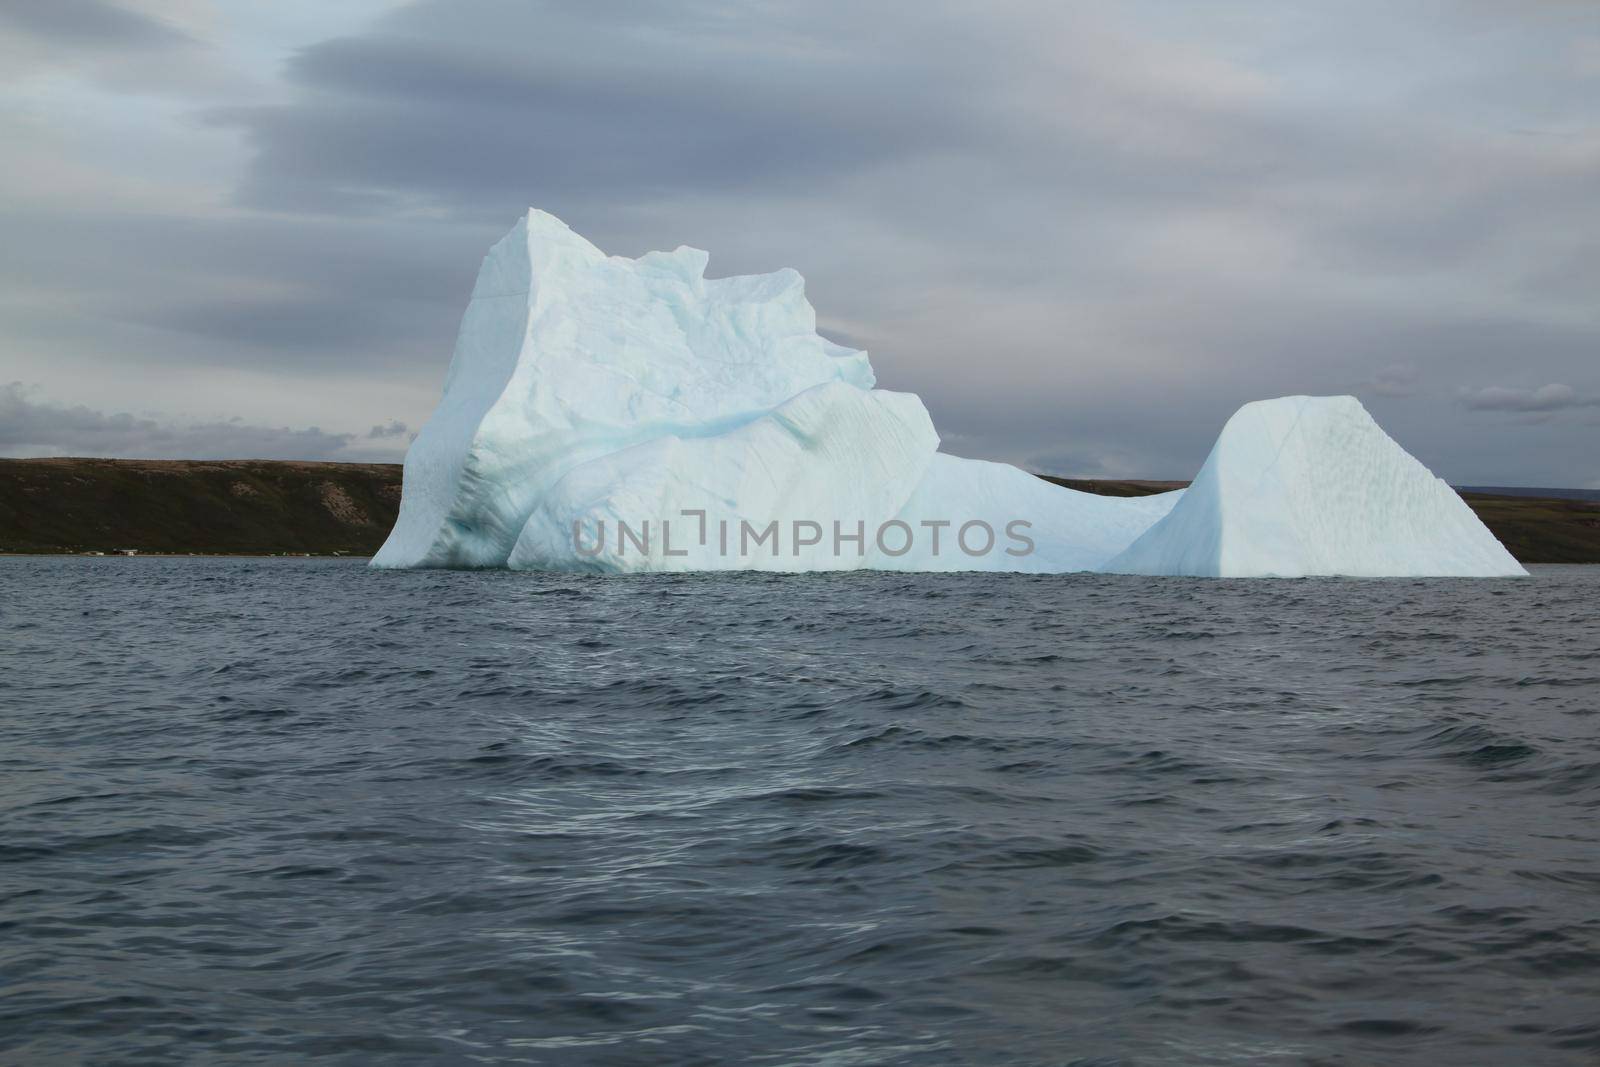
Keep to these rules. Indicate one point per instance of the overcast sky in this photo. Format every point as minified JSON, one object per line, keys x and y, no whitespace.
{"x":1084,"y":233}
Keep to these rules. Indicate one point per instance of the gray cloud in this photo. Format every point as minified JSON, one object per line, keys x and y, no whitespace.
{"x":306,"y":297}
{"x":1084,"y":233}
{"x":313,"y":323}
{"x":31,"y":427}
{"x":485,"y":107}
{"x":392,"y":428}
{"x":131,"y":48}
{"x":1397,"y":379}
{"x":1553,"y":397}
{"x":89,"y":23}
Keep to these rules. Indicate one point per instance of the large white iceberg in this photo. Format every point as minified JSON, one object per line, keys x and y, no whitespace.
{"x":610,"y":414}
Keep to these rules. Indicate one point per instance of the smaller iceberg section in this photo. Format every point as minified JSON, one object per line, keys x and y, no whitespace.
{"x":1305,"y":485}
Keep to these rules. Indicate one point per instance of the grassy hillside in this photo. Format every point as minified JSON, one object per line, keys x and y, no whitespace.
{"x":270,"y":507}
{"x":1125,"y":487}
{"x":1540,"y":529}
{"x":231,"y":506}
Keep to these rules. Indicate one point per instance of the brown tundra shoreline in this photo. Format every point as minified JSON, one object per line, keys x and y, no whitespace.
{"x":290,"y":507}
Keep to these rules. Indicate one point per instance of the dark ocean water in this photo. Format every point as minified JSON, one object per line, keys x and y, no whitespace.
{"x":282,"y":811}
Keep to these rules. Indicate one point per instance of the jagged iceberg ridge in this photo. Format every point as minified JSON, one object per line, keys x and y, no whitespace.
{"x":611,"y":414}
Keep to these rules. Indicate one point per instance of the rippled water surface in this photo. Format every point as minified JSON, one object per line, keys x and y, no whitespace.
{"x":276,"y":811}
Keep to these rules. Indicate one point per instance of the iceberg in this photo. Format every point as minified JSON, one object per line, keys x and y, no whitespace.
{"x":567,"y":355}
{"x":1308,"y":485}
{"x":614,"y":415}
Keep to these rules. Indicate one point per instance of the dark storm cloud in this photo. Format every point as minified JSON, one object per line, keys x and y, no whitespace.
{"x":89,"y":23}
{"x":31,"y":427}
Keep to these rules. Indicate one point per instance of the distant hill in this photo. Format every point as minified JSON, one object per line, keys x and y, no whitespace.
{"x":1113,"y":487}
{"x":1541,"y":529}
{"x":272,"y":507}
{"x":248,"y":507}
{"x":1517,"y":490}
